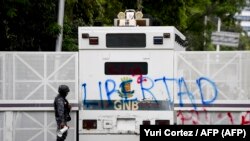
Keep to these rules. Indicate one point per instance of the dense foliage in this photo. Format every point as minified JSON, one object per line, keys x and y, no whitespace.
{"x":28,"y":26}
{"x":32,"y":26}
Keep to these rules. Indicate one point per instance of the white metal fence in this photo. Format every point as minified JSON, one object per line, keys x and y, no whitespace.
{"x":217,"y":87}
{"x":29,"y":82}
{"x":28,"y":85}
{"x":1,"y":125}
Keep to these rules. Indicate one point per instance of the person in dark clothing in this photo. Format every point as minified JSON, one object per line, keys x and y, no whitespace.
{"x":62,"y":110}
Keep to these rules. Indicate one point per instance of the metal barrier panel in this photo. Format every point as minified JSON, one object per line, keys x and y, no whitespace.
{"x":32,"y":126}
{"x":212,"y":85}
{"x":213,"y":117}
{"x":1,"y":75}
{"x":30,"y":80}
{"x":28,"y":84}
{"x":39,"y":126}
{"x":1,"y":125}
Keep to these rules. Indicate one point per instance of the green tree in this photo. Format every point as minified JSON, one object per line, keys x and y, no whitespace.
{"x":28,"y":25}
{"x":79,"y":13}
{"x":188,"y":17}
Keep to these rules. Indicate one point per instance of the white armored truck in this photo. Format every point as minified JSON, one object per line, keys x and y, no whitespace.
{"x":125,"y":74}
